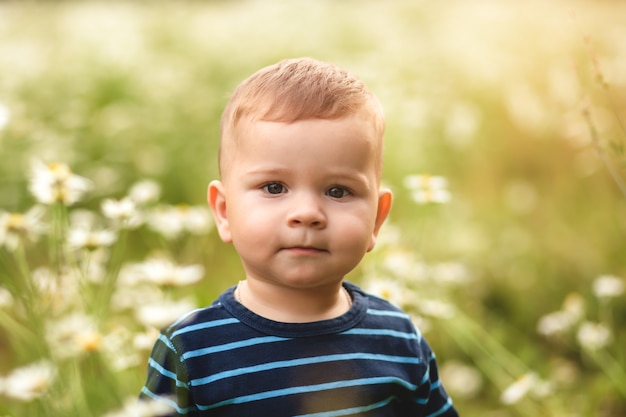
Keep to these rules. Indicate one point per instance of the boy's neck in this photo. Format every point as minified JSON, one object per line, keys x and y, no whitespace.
{"x":288,"y":305}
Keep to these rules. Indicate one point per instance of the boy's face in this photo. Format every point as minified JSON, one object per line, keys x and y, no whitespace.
{"x":300,"y":201}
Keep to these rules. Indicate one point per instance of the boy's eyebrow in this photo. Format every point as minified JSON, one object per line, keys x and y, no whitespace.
{"x":260,"y":170}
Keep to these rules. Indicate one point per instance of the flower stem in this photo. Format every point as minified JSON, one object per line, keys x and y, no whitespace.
{"x":595,"y":139}
{"x":110,"y":280}
{"x":611,"y":367}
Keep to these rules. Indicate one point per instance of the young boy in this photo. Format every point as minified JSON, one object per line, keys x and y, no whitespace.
{"x":299,"y":198}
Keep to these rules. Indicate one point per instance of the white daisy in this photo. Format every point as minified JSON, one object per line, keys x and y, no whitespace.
{"x":55,"y":183}
{"x":608,"y":286}
{"x":124,"y":212}
{"x":145,"y":192}
{"x":594,"y":336}
{"x":388,"y":290}
{"x":15,"y":227}
{"x":5,"y":116}
{"x":555,"y":323}
{"x":172,"y":221}
{"x":164,"y":312}
{"x":428,"y":189}
{"x":90,"y":240}
{"x":29,"y":382}
{"x":519,"y":389}
{"x":6,"y":298}
{"x":144,"y":408}
{"x":461,"y":380}
{"x":73,"y":335}
{"x":162,"y":271}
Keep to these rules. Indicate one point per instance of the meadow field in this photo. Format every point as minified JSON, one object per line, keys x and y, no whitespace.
{"x":505,"y":150}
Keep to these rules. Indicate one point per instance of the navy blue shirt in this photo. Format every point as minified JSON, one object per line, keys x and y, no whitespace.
{"x":225,"y":360}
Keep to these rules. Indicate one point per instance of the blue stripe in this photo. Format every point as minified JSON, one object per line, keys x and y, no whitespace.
{"x":166,"y":372}
{"x":310,"y":388}
{"x":353,"y":410}
{"x":167,"y":342}
{"x":443,"y":409}
{"x":273,"y":339}
{"x":167,"y":401}
{"x":382,"y":332}
{"x":303,"y":361}
{"x":388,"y":313}
{"x":232,"y":346}
{"x":204,"y":325}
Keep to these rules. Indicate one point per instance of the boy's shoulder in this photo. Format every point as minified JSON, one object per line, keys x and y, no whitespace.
{"x":205,"y":317}
{"x":389,"y":313}
{"x":376,"y":302}
{"x":382,"y":308}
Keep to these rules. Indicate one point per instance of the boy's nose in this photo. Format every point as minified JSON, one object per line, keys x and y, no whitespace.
{"x":307,"y":212}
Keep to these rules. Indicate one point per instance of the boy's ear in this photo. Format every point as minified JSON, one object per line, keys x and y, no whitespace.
{"x":385,"y":199}
{"x":217,"y":202}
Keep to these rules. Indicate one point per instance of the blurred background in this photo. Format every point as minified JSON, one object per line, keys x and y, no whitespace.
{"x":504,"y":149}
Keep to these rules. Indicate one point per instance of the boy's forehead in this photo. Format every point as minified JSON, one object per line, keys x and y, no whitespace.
{"x":248,"y":130}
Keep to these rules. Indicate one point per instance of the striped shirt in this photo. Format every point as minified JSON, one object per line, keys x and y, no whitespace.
{"x":225,"y":360}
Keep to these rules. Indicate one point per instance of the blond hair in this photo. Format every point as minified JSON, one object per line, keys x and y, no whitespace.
{"x":299,"y":89}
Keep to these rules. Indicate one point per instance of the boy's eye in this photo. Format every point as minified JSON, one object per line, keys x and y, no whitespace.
{"x":274,"y":188}
{"x":337,"y":192}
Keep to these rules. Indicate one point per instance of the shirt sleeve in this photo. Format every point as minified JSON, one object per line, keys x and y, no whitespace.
{"x":167,"y":380}
{"x":439,"y":404}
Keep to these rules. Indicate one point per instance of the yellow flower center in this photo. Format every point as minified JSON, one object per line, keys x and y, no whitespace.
{"x":90,"y":342}
{"x":16,"y":223}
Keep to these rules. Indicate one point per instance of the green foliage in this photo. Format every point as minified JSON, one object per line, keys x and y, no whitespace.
{"x":515,"y":111}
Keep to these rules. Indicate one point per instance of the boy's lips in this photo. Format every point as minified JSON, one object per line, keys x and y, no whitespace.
{"x":304,"y":250}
